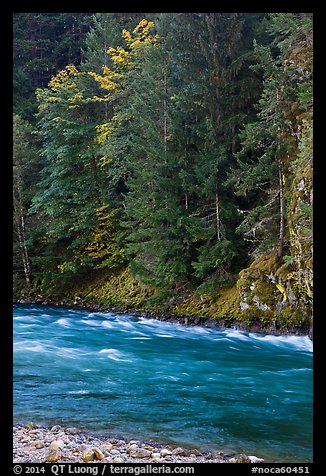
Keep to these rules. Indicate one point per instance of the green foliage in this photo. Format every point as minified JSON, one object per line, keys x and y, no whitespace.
{"x":43,"y":43}
{"x":73,"y":190}
{"x":178,"y":152}
{"x":104,"y":33}
{"x":270,"y":146}
{"x":181,"y":147}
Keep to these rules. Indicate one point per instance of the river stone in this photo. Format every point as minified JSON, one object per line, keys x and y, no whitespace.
{"x":55,"y":428}
{"x":73,"y":458}
{"x":115,"y":452}
{"x":149,"y":447}
{"x":195,"y":452}
{"x":106,"y":448}
{"x":156,"y":456}
{"x":133,"y":446}
{"x":180,"y":452}
{"x":98,"y":453}
{"x":38,"y":444}
{"x":118,"y":460}
{"x":211,"y":323}
{"x":240,"y":459}
{"x":254,"y":459}
{"x":218,"y":454}
{"x":72,"y":431}
{"x":139,"y":453}
{"x":311,"y":333}
{"x":88,"y":455}
{"x":56,"y":445}
{"x":53,"y":456}
{"x":34,"y":432}
{"x":165,"y":452}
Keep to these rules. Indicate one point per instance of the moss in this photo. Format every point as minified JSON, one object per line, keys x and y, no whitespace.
{"x":125,"y":291}
{"x":282,"y":290}
{"x":288,"y":317}
{"x":267,"y":318}
{"x":267,"y":263}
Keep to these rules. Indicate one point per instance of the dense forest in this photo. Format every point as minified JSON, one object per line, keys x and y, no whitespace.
{"x":164,"y":161}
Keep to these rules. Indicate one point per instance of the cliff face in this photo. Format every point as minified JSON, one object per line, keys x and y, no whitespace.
{"x":300,"y":231}
{"x":284,"y":287}
{"x":276,"y":292}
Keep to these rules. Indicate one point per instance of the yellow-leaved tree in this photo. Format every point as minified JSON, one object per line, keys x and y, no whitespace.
{"x":113,"y":90}
{"x":114,"y":81}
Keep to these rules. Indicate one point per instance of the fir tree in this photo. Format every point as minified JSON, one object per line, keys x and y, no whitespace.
{"x":269,"y":143}
{"x":73,"y":194}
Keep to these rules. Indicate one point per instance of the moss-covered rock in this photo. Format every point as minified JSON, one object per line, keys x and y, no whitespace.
{"x":258,"y":301}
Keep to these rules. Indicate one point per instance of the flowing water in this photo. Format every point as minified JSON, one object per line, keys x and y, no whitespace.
{"x":192,"y":386}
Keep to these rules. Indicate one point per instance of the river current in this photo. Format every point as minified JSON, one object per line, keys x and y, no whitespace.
{"x":214,"y":389}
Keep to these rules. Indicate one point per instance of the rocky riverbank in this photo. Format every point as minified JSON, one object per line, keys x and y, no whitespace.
{"x":257,"y":302}
{"x":36,"y":444}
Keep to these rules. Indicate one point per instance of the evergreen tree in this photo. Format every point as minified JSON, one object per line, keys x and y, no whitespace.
{"x":105,"y":33}
{"x":270,"y":143}
{"x":179,"y":142}
{"x":159,"y":243}
{"x":73,"y":193}
{"x":43,"y":43}
{"x":211,"y":99}
{"x":171,"y":108}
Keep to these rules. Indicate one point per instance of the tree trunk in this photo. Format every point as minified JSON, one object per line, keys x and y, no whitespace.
{"x":165,"y":123}
{"x":218,"y":222}
{"x":216,"y":73}
{"x":105,"y":64}
{"x":20,"y":222}
{"x":281,"y":190}
{"x":186,"y":166}
{"x":233,"y":141}
{"x":165,"y":113}
{"x":282,"y":210}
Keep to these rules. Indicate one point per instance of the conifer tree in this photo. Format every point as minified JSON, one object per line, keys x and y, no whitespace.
{"x":211,"y":99}
{"x":178,"y":146}
{"x":105,"y":33}
{"x":270,"y":143}
{"x":73,"y":195}
{"x":158,"y":242}
{"x":43,"y":43}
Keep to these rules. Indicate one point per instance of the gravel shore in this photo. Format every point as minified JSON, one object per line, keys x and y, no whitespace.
{"x":36,"y":444}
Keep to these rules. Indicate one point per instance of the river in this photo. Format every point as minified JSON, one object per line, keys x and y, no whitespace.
{"x":214,"y":389}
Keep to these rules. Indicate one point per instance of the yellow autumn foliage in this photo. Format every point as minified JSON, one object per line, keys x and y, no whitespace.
{"x":124,"y":60}
{"x":63,"y":78}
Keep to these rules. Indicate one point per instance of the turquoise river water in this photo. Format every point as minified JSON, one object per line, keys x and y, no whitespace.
{"x":214,"y":389}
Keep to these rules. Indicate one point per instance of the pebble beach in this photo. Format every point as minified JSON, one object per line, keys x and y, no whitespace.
{"x":38,"y":444}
